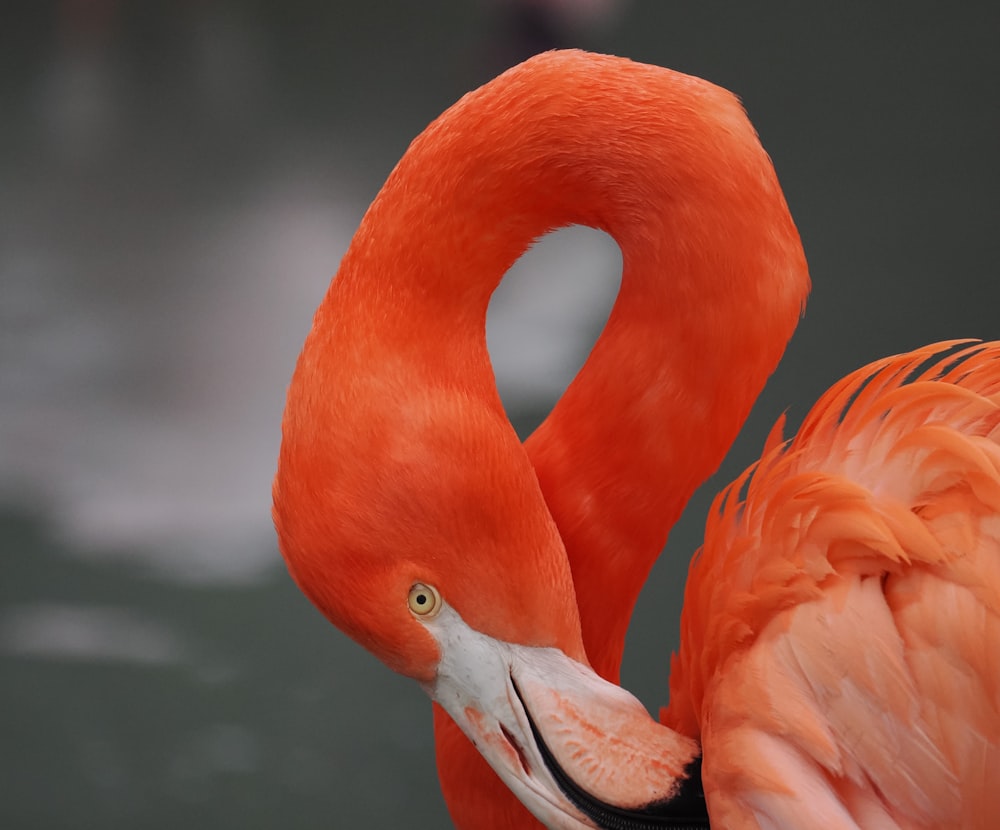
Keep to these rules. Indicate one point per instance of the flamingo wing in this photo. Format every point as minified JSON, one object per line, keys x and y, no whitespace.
{"x":841,"y":633}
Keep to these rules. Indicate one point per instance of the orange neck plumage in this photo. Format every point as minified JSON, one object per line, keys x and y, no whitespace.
{"x":713,"y":283}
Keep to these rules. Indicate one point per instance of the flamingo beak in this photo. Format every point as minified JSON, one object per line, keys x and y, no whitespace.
{"x":576,"y":750}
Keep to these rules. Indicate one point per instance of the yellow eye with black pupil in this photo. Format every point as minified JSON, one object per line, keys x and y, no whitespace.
{"x":424,"y":600}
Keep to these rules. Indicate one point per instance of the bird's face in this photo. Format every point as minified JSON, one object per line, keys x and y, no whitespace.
{"x":431,"y":545}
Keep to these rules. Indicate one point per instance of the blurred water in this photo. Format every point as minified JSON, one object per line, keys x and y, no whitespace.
{"x":178,"y":185}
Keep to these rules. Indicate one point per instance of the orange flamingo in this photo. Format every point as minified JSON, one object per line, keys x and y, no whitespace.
{"x":840,"y":645}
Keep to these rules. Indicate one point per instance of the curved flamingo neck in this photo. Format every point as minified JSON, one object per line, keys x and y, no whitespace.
{"x":713,"y":282}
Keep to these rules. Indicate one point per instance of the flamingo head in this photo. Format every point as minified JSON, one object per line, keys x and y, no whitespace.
{"x":419,"y":529}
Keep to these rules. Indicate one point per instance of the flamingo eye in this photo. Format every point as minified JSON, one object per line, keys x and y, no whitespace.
{"x":424,"y":600}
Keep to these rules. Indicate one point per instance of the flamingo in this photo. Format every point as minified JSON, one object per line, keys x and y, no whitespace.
{"x":839,"y":664}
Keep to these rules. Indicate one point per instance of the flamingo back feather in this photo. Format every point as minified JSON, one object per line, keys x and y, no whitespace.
{"x":842,"y":621}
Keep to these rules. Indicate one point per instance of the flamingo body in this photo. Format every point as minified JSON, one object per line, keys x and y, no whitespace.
{"x":841,"y":626}
{"x":840,"y":630}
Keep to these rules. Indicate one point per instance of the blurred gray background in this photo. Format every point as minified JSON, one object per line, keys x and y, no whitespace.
{"x":178,"y":181}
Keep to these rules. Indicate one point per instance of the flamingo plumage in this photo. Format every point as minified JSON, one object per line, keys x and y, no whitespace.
{"x":841,"y":628}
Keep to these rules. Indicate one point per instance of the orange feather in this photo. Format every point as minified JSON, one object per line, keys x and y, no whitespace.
{"x":850,"y":604}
